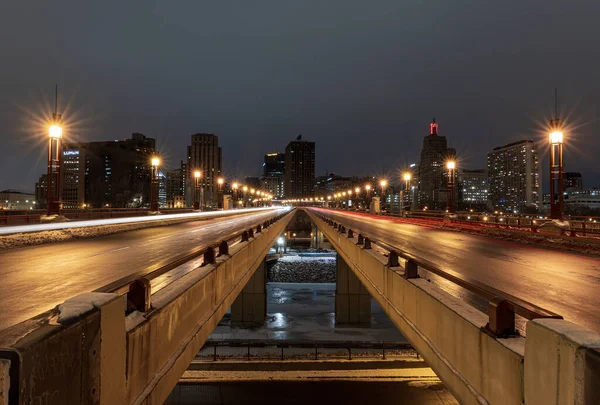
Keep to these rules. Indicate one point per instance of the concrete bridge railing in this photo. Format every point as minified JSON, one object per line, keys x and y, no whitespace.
{"x":557,"y":363}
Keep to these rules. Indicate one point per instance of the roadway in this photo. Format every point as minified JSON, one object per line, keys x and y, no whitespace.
{"x":562,"y":282}
{"x":36,"y":279}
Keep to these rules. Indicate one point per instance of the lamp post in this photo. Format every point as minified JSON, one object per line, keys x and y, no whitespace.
{"x":234,"y":187}
{"x":357,"y":196}
{"x":383,"y":184}
{"x":451,"y":193}
{"x":154,"y":184}
{"x":244,"y":195}
{"x":220,"y":182}
{"x":557,"y":181}
{"x":197,"y":175}
{"x":54,"y":152}
{"x":406,"y":178}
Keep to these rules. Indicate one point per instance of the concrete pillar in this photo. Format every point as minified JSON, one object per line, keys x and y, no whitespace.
{"x":562,"y":364}
{"x":251,"y":305}
{"x":352,"y":300}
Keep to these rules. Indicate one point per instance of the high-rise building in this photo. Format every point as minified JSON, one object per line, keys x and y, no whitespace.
{"x":273,"y":178}
{"x":204,"y":154}
{"x":472,"y":188}
{"x":514,"y":177}
{"x":41,"y":192}
{"x":175,"y":186}
{"x":432,"y":171}
{"x":106,"y":174}
{"x":299,"y":168}
{"x":573,"y":181}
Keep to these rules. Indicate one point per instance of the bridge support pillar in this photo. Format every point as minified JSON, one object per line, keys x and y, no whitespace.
{"x":352,"y":300}
{"x":251,"y":305}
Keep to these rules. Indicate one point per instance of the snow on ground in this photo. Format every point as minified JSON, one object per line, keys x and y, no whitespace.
{"x":303,"y":269}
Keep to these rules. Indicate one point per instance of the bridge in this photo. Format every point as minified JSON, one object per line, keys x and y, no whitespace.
{"x":478,"y":310}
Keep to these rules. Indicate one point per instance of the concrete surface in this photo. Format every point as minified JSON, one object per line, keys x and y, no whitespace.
{"x":250,"y":307}
{"x":352,"y":300}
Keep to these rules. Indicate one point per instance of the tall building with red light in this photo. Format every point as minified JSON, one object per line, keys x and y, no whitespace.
{"x":432,"y":175}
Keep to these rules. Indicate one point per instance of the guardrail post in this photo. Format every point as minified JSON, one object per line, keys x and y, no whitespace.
{"x":350,"y":234}
{"x":411,"y":269}
{"x":209,"y":256}
{"x":258,"y":229}
{"x":250,"y":233}
{"x":367,"y":244}
{"x":361,"y":239}
{"x":502,"y":318}
{"x":245,"y":236}
{"x":342,"y":229}
{"x":393,"y":259}
{"x":223,"y":248}
{"x":383,"y":349}
{"x":139,"y":294}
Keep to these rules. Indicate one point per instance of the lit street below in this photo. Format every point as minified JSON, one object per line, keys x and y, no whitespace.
{"x":558,"y":281}
{"x":35,"y":279}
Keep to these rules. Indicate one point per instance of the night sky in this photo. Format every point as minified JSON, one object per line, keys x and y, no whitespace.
{"x":361,"y":78}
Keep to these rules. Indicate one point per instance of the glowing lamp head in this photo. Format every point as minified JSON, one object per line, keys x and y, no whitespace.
{"x":556,"y":137}
{"x":220,"y":180}
{"x":252,"y":191}
{"x":245,"y":188}
{"x":280,"y":241}
{"x":349,"y":192}
{"x":406,"y":177}
{"x":357,"y":190}
{"x":155,"y":161}
{"x":383,"y":183}
{"x":55,"y":131}
{"x":235,"y":186}
{"x":329,"y":197}
{"x":451,"y":165}
{"x":197,"y":174}
{"x":368,"y":187}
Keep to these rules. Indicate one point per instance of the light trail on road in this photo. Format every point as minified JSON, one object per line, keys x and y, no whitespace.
{"x":53,"y":226}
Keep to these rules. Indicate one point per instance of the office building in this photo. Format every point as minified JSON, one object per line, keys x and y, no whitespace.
{"x":107,"y":174}
{"x":204,"y":154}
{"x":472,"y":188}
{"x":573,"y":181}
{"x":17,"y":200}
{"x":514,"y":177}
{"x":273,"y":178}
{"x":299,"y":169}
{"x":175,"y":185}
{"x":432,"y":172}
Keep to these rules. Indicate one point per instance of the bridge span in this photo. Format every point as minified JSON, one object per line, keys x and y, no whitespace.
{"x":480,"y":356}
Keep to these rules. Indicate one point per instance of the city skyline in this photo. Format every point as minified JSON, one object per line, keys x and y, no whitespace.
{"x":349,"y":87}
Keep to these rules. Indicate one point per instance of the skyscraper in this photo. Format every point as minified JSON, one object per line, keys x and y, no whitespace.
{"x":473,"y":188}
{"x":432,"y":171}
{"x":273,"y":178}
{"x":204,"y":154}
{"x":108,"y":173}
{"x":515,"y":177}
{"x":299,"y":168}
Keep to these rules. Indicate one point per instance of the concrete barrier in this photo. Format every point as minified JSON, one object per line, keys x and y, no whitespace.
{"x":4,"y":381}
{"x":562,"y":364}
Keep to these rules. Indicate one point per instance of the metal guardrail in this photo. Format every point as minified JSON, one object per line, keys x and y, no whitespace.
{"x":502,"y":306}
{"x":293,"y":349}
{"x":137,"y":286}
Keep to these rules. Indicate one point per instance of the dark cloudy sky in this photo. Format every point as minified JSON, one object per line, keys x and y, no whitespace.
{"x":361,"y":78}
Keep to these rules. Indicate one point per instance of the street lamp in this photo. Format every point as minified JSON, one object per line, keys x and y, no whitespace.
{"x":406,"y":176}
{"x":197,"y":175}
{"x":234,"y":187}
{"x":155,"y":161}
{"x":54,"y":152}
{"x":220,"y":182}
{"x":451,"y":193}
{"x":383,"y":184}
{"x":557,"y":175}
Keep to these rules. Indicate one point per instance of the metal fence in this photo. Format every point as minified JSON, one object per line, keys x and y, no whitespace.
{"x":241,"y":350}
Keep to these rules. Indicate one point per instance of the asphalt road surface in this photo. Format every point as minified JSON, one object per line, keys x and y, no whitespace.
{"x":562,"y":282}
{"x":36,"y":279}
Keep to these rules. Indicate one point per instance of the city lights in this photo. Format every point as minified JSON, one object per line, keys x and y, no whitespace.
{"x":55,"y":131}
